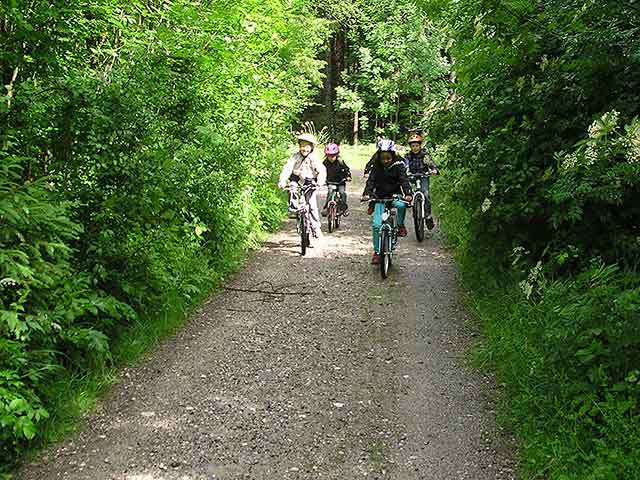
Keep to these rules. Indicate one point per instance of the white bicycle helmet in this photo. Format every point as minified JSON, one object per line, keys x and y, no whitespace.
{"x":386,"y":145}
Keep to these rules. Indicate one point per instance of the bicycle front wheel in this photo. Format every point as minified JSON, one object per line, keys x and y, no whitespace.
{"x":385,"y":253}
{"x":331,"y":217}
{"x":418,"y":217}
{"x":304,"y":236}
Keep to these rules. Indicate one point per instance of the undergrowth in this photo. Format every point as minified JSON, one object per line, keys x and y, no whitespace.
{"x":565,"y":352}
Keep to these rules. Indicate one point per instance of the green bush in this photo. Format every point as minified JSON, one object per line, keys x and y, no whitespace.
{"x":539,"y":146}
{"x":50,"y":316}
{"x":536,"y":83}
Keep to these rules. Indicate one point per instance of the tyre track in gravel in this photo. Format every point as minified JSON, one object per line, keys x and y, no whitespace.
{"x":362,"y":379}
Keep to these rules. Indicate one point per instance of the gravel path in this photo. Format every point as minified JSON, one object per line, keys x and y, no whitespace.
{"x":357,"y":378}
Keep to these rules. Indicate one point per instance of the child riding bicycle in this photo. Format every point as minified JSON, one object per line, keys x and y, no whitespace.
{"x":420,"y":163}
{"x":388,"y":177}
{"x":338,"y":173}
{"x":302,"y":168}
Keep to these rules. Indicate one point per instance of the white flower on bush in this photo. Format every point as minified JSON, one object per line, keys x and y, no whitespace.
{"x":8,"y":282}
{"x":590,"y":155}
{"x":526,"y":288}
{"x":486,"y":205}
{"x":533,"y":281}
{"x":594,"y":129}
{"x":569,"y":161}
{"x":604,"y":125}
{"x":632,"y":141}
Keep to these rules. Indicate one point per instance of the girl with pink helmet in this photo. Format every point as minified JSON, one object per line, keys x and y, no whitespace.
{"x":338,"y":173}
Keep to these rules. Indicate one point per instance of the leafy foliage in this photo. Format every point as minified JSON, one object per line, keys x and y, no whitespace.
{"x":530,"y":80}
{"x":539,"y":142}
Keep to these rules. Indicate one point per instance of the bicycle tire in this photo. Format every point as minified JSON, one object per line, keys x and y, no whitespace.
{"x":331,"y":217}
{"x":418,"y":217}
{"x":304,"y":236}
{"x":385,"y":253}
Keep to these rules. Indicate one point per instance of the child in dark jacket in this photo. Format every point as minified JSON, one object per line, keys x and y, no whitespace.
{"x":388,"y":177}
{"x":338,"y":173}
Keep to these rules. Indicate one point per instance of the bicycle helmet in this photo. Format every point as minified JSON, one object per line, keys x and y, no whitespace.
{"x":415,"y":138}
{"x":386,"y":145}
{"x":307,"y":137}
{"x":332,"y":149}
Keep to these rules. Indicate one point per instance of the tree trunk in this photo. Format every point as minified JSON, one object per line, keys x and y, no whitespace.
{"x":356,"y":127}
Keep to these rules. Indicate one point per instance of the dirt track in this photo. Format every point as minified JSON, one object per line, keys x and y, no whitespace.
{"x":355,"y":377}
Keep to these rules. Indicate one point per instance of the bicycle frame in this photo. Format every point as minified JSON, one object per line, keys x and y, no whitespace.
{"x":419,"y":204}
{"x":303,"y":216}
{"x":332,"y":192}
{"x":418,"y":191}
{"x":388,"y":233}
{"x":389,"y":225}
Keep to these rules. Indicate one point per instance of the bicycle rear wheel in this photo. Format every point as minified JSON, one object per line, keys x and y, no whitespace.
{"x":418,"y":217}
{"x":385,"y":253}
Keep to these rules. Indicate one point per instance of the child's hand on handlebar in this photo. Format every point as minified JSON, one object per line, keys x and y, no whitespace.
{"x":408,"y":198}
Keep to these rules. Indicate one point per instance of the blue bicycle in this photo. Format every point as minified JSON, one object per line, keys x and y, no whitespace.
{"x":388,"y":232}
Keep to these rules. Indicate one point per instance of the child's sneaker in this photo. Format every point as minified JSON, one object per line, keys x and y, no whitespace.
{"x":345,"y":211}
{"x":430,"y":223}
{"x":402,"y":231}
{"x":375,"y":260}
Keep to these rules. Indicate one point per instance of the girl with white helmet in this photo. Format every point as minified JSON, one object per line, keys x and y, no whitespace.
{"x":304,"y":167}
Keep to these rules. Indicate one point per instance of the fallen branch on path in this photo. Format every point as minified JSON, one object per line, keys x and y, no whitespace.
{"x":265,"y":292}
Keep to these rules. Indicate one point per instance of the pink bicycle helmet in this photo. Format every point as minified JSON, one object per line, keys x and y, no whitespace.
{"x":332,"y":149}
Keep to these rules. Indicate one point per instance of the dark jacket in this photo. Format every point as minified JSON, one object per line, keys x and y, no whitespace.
{"x":386,"y":181}
{"x":337,"y":172}
{"x":420,"y":163}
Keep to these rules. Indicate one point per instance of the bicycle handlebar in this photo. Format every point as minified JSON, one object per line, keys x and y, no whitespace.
{"x":398,"y":198}
{"x":431,"y":173}
{"x":304,"y":187}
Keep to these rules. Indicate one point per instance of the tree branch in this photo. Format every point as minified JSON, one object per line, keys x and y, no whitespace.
{"x":266,"y":292}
